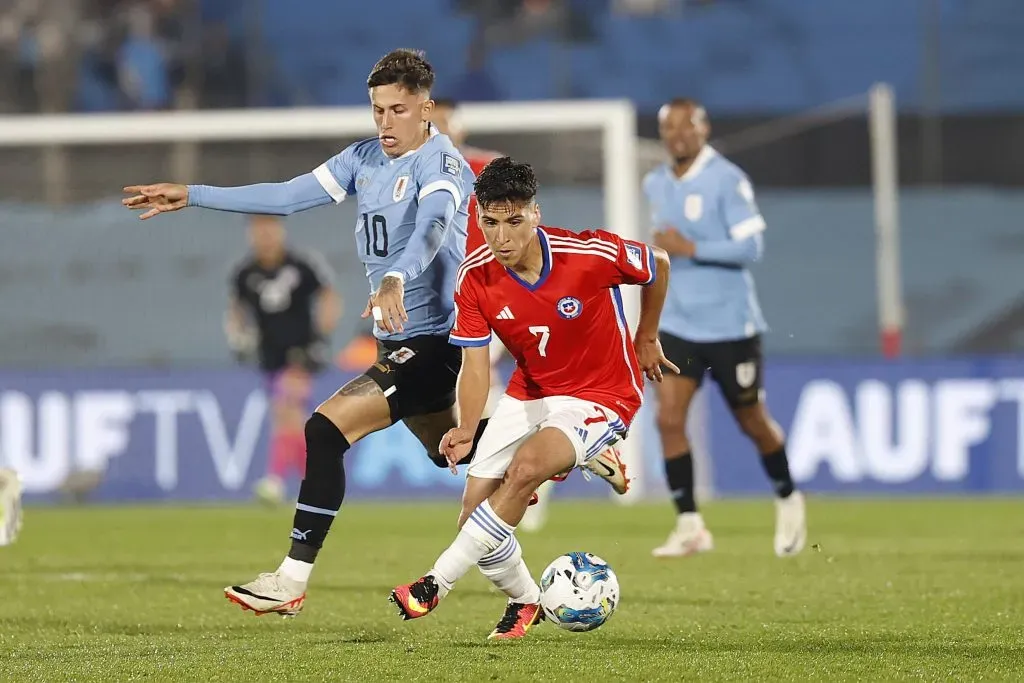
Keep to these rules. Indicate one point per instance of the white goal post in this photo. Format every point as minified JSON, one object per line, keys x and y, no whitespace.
{"x":614,"y":119}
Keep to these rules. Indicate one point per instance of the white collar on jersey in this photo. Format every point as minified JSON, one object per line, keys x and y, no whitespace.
{"x":431,"y":130}
{"x":704,"y":157}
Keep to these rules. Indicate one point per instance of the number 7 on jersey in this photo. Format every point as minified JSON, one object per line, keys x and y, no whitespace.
{"x":545,"y":333}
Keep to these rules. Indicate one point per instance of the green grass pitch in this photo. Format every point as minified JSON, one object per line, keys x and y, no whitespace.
{"x":907,"y":590}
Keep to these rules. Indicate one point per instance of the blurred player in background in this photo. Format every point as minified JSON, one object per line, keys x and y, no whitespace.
{"x":282,"y":309}
{"x":446,"y":118}
{"x":552,"y":296}
{"x":411,"y":186}
{"x":10,"y":506}
{"x":705,"y":217}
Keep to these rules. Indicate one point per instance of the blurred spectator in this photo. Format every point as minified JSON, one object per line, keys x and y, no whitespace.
{"x":476,"y":84}
{"x":38,"y":52}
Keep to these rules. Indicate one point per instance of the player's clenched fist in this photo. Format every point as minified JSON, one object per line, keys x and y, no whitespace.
{"x":156,"y":199}
{"x":455,"y":445}
{"x":651,"y":357}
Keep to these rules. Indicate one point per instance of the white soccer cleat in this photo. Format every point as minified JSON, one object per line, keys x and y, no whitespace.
{"x":270,"y":593}
{"x":790,"y":525}
{"x":537,"y":514}
{"x":10,"y":506}
{"x":688,"y":538}
{"x":269,"y":490}
{"x":609,"y":466}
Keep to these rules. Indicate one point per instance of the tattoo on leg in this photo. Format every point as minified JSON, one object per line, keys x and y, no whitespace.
{"x":360,"y":386}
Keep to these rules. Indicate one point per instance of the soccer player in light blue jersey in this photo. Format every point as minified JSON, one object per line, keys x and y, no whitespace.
{"x":705,"y":216}
{"x":412,"y":187}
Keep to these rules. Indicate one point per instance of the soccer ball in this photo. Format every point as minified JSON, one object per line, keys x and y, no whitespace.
{"x":579,"y":591}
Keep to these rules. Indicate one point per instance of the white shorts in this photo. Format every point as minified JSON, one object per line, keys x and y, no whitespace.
{"x":591,"y":429}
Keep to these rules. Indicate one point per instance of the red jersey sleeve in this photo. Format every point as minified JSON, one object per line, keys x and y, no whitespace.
{"x":471,"y":328}
{"x":633,"y":263}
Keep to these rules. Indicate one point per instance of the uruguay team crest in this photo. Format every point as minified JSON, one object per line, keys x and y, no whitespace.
{"x":746,"y":373}
{"x":693,"y":208}
{"x":569,"y":307}
{"x":400,"y":186}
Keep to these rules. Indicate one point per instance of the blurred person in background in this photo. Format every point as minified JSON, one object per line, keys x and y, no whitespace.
{"x":705,"y":216}
{"x":281,"y":313}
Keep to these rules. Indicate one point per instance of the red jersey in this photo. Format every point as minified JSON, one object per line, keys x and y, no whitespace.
{"x":477,"y":159}
{"x":567,"y":332}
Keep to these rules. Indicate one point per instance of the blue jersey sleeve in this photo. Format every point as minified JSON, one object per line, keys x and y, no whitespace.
{"x":279,"y":199}
{"x":337,"y":175}
{"x":744,"y":223}
{"x":442,"y":171}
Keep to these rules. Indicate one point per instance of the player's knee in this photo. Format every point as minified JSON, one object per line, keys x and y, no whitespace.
{"x":527,"y":470}
{"x":672,"y":422}
{"x":321,"y":431}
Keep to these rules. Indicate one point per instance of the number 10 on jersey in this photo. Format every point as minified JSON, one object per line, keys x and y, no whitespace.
{"x":378,"y":225}
{"x":544,"y":332}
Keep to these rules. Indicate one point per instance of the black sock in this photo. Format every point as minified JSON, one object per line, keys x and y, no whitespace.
{"x":776,"y":466}
{"x":323,"y":487}
{"x":679,"y":472}
{"x":476,"y":439}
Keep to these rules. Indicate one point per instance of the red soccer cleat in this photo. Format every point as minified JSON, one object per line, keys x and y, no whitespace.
{"x":517,"y":620}
{"x":417,"y":599}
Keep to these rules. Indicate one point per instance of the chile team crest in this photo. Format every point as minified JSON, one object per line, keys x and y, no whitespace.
{"x":569,"y":307}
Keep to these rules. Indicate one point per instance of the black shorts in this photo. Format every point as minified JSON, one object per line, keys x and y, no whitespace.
{"x":417,"y":375}
{"x":736,"y":366}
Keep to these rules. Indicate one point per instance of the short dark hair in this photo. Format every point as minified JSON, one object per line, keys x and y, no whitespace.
{"x":408,"y":69}
{"x":506,"y":181}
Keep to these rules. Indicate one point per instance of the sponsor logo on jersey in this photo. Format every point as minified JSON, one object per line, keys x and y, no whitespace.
{"x":569,"y":307}
{"x":634,"y":256}
{"x":400,"y":186}
{"x":451,"y":165}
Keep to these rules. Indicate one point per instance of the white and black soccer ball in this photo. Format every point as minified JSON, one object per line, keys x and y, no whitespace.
{"x":579,"y":591}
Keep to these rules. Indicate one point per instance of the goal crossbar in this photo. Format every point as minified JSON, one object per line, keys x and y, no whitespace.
{"x":613,"y":120}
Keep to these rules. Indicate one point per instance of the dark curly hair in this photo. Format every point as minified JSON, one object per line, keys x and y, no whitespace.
{"x":407,"y":69}
{"x":504,"y":181}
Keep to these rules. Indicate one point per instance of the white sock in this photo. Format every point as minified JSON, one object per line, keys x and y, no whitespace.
{"x":296,"y":570}
{"x":482,"y":533}
{"x":508,"y":572}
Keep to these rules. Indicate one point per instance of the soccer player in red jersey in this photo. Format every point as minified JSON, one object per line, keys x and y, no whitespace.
{"x":553,"y":298}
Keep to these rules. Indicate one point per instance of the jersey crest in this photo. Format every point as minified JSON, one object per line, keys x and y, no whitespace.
{"x":400,"y":187}
{"x":634,"y":256}
{"x":569,"y":307}
{"x":693,"y":208}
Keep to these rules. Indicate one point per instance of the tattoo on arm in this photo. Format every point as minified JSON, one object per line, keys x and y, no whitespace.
{"x":360,"y":386}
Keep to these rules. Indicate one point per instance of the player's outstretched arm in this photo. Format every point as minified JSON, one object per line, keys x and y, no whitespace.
{"x":652,"y":301}
{"x":279,"y":199}
{"x":473,"y":387}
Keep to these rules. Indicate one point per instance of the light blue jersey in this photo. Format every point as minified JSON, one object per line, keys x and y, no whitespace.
{"x":389,"y":194}
{"x":712,"y":296}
